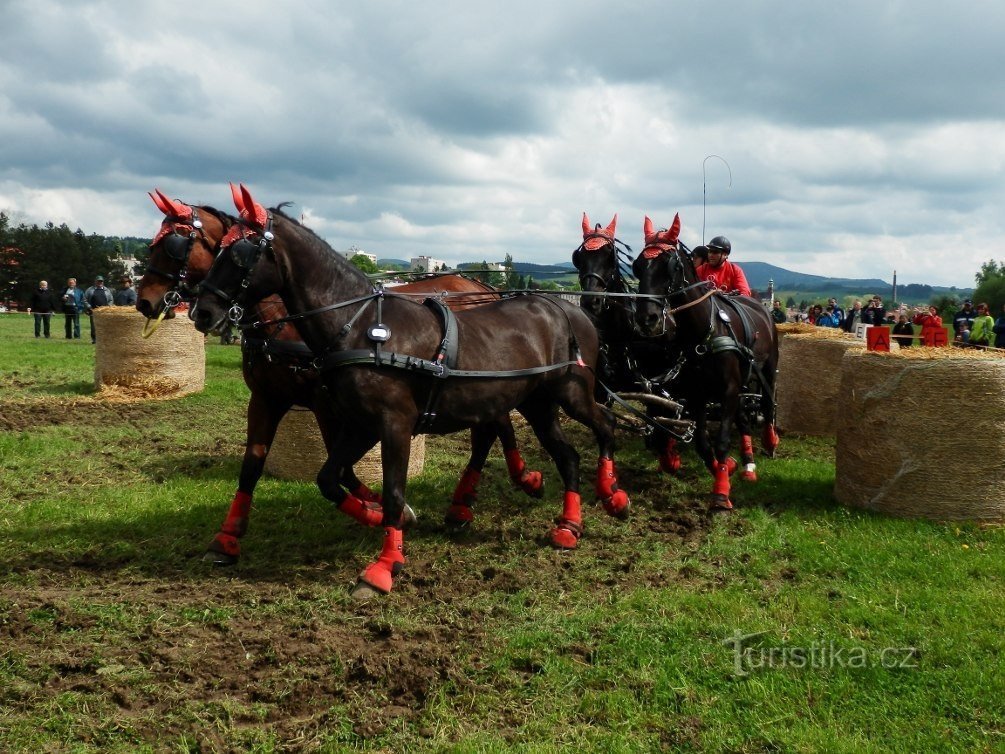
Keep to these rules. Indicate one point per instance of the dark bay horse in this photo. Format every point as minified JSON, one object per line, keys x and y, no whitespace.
{"x":731,"y":347}
{"x":394,"y":367}
{"x":277,"y":369}
{"x":628,"y":361}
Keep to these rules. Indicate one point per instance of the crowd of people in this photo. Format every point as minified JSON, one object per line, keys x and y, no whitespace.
{"x":72,"y":302}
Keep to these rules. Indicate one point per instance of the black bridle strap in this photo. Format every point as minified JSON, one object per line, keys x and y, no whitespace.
{"x":294,"y":317}
{"x":373,"y":357}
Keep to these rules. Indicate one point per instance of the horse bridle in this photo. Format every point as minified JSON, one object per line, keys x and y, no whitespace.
{"x":617,"y":277}
{"x":178,"y":246}
{"x":245,"y":252}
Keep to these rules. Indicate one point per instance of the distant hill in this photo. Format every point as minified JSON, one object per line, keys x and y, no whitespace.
{"x":758,"y":274}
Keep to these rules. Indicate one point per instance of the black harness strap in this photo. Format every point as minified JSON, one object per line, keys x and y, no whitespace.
{"x":268,"y":347}
{"x":446,"y":355}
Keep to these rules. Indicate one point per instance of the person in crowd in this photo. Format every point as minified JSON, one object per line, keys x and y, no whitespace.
{"x":777,"y":312}
{"x":838,"y":310}
{"x":874,"y":313}
{"x":965,"y":316}
{"x":1000,"y":329}
{"x":814,"y":313}
{"x":94,"y":298}
{"x":73,"y":305}
{"x":982,"y":334}
{"x":42,"y":305}
{"x":963,"y":335}
{"x":853,"y":318}
{"x":126,"y":295}
{"x":927,"y":317}
{"x":719,"y":270}
{"x":828,"y":318}
{"x":903,"y":332}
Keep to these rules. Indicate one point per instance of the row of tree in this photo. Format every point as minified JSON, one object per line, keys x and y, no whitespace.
{"x":29,"y":253}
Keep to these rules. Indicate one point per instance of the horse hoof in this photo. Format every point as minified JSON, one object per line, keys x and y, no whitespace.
{"x":408,"y":517}
{"x":720,"y":504}
{"x":749,"y":476}
{"x":458,"y":517}
{"x":565,"y":536}
{"x":219,"y":558}
{"x":363,"y":591}
{"x":617,"y":505}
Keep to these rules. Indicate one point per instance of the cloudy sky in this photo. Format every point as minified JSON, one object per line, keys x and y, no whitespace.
{"x":849,"y":139}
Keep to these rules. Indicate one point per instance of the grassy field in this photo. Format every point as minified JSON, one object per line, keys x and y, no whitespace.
{"x":792,"y":625}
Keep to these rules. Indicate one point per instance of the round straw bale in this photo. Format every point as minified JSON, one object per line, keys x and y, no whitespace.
{"x":809,"y":376}
{"x":921,"y":433}
{"x":298,"y":452}
{"x":127,"y":366}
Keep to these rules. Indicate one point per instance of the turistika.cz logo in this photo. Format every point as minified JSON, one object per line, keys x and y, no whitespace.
{"x":748,"y":658}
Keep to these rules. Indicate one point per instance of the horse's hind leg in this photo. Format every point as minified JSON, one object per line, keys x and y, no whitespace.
{"x":459,"y":514}
{"x":769,"y":434}
{"x":543,"y":420}
{"x":749,"y":472}
{"x":263,"y":419}
{"x":531,"y":482}
{"x":599,"y":419}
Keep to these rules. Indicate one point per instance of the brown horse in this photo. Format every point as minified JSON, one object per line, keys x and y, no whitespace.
{"x":278,"y":371}
{"x":416,"y":367}
{"x":731,"y":346}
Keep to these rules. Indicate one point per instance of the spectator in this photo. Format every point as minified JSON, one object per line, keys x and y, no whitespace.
{"x":126,"y":295}
{"x":963,"y":336}
{"x":42,"y":304}
{"x":815,"y":312}
{"x":874,"y":313}
{"x":928,"y":318}
{"x":854,"y":317}
{"x":838,"y":311}
{"x":94,"y":298}
{"x":719,"y":270}
{"x":828,"y":318}
{"x":965,"y":315}
{"x":983,"y":331}
{"x":1000,"y":329}
{"x":73,"y":304}
{"x":903,"y":332}
{"x":777,"y":312}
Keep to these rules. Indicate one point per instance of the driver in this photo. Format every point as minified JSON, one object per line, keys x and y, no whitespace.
{"x":719,"y":270}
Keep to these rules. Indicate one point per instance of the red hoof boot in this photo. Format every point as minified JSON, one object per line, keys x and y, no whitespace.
{"x":731,"y":466}
{"x":367,"y":495}
{"x":720,"y":504}
{"x":566,"y":534}
{"x":224,"y":550}
{"x":617,"y":505}
{"x":749,"y":473}
{"x":459,"y":516}
{"x":769,"y":440}
{"x":366,"y":512}
{"x":531,"y":482}
{"x":380,"y":574}
{"x":669,"y":459}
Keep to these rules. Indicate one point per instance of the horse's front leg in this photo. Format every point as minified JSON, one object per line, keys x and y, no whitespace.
{"x":330,"y":426}
{"x":378,"y":577}
{"x":459,"y":514}
{"x":723,"y":466}
{"x":749,"y":472}
{"x":531,"y":482}
{"x":264,"y":415}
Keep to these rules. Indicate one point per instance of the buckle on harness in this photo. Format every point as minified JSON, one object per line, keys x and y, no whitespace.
{"x":379,"y":333}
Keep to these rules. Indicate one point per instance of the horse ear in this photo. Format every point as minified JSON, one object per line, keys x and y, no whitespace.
{"x":586,"y":225}
{"x":675,"y":228}
{"x":612,"y":226}
{"x":236,"y":194}
{"x":647,"y":228}
{"x":255,"y":210}
{"x":174,"y":207}
{"x":159,"y":201}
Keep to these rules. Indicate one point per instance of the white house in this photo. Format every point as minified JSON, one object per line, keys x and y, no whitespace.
{"x":426,"y":264}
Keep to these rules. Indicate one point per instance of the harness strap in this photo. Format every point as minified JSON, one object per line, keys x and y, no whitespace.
{"x":446,"y":354}
{"x":270,"y":347}
{"x":371,"y":357}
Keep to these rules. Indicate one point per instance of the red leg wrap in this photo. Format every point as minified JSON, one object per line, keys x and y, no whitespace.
{"x":615,"y":500}
{"x":366,"y":512}
{"x":569,"y":527}
{"x":731,"y":466}
{"x":365,"y":494}
{"x":236,"y":523}
{"x":670,"y":457}
{"x":226,"y":543}
{"x":459,"y":515}
{"x":530,"y":482}
{"x":769,"y":439}
{"x":747,"y":449}
{"x":380,"y":574}
{"x":466,"y":491}
{"x":721,"y":484}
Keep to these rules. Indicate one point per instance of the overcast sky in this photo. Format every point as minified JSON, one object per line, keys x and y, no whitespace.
{"x":851,"y":139}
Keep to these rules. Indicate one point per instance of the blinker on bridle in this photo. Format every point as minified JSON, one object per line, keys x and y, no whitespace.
{"x":177,"y":246}
{"x":245,"y":253}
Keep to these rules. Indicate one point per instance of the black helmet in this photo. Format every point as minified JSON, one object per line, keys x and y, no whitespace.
{"x":720,"y":243}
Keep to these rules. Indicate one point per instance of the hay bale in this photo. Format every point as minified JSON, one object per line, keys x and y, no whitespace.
{"x":809,"y":377}
{"x":921,"y":433}
{"x":298,"y":452}
{"x":129,"y":367}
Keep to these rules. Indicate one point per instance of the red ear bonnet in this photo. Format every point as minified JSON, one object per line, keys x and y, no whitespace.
{"x":250,"y":211}
{"x":595,"y":238}
{"x":171,"y":207}
{"x":661,"y":240}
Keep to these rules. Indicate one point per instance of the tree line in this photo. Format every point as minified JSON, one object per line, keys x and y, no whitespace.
{"x":29,"y":253}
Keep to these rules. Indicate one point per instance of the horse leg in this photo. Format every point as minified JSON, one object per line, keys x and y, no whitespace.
{"x":531,"y":482}
{"x":769,"y":434}
{"x":669,"y":457}
{"x":749,"y":473}
{"x":263,"y":420}
{"x":378,"y":577}
{"x":543,"y":419}
{"x":723,"y":466}
{"x":459,"y":514}
{"x":588,"y":412}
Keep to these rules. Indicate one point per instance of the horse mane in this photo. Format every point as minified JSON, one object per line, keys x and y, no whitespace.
{"x":335,"y":262}
{"x":226,"y":220}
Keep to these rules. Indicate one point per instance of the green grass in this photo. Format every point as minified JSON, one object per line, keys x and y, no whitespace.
{"x":870,"y":633}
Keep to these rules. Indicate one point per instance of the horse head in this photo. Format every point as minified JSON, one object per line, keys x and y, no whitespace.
{"x":180,"y":254}
{"x":596,"y":259}
{"x":661,"y":270}
{"x":245,"y":270}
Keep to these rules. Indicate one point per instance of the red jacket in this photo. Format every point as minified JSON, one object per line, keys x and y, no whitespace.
{"x":727,"y":276}
{"x":927,"y":320}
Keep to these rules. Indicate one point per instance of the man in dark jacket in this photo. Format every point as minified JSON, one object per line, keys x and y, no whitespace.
{"x":874,"y":313}
{"x":94,"y":298}
{"x":42,"y":305}
{"x":126,"y":295}
{"x":966,"y":316}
